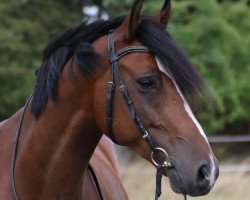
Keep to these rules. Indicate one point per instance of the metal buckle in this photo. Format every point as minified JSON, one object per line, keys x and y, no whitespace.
{"x":111,"y":83}
{"x":145,"y":135}
{"x":110,"y":88}
{"x":122,"y":87}
{"x":166,"y":162}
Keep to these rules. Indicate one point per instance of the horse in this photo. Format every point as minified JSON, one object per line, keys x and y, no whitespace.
{"x":125,"y":79}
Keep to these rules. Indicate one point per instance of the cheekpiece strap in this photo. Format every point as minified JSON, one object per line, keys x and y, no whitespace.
{"x":114,"y":71}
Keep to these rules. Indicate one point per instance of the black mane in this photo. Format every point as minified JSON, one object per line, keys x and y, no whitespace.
{"x":72,"y":42}
{"x":77,"y":42}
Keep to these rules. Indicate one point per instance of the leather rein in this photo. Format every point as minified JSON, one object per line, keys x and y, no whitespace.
{"x":14,"y":151}
{"x":115,"y":73}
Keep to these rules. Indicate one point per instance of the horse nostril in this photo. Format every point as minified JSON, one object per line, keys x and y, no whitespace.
{"x":203,"y":177}
{"x":217,"y":173}
{"x":202,"y":173}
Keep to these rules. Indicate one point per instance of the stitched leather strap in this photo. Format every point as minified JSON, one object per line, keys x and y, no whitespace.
{"x":114,"y":71}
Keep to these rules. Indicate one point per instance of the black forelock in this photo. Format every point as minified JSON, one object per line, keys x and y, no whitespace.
{"x":76,"y":43}
{"x":158,"y":40}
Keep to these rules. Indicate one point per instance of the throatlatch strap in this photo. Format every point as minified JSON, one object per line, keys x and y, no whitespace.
{"x":111,"y":87}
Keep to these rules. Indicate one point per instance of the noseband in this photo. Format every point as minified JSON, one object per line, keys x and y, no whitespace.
{"x":114,"y":72}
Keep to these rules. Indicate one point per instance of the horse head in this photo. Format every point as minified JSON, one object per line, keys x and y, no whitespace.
{"x":157,"y":80}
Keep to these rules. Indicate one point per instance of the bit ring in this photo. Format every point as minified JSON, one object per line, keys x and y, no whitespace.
{"x":165,"y":163}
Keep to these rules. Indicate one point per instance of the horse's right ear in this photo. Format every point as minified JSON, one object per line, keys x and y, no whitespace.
{"x":162,"y":17}
{"x":133,"y":20}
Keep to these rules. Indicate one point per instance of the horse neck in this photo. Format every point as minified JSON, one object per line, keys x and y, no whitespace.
{"x":55,"y":149}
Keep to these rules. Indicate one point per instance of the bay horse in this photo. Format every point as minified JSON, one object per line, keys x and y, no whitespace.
{"x":125,"y":78}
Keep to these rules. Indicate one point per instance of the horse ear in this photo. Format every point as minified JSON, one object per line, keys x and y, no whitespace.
{"x":162,"y":17}
{"x":133,"y":20}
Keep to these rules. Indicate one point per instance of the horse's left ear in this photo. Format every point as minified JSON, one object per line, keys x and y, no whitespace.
{"x":133,"y":20}
{"x":162,"y":17}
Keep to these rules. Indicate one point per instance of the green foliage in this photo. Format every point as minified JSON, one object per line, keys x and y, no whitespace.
{"x":214,"y":33}
{"x":216,"y":36}
{"x":26,"y":26}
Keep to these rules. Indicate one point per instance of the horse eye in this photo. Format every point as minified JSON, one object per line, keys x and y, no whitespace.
{"x":146,"y":83}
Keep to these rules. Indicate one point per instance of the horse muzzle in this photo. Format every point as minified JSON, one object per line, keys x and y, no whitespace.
{"x":201,"y":184}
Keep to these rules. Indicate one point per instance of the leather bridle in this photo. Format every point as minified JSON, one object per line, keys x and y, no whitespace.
{"x":114,"y":72}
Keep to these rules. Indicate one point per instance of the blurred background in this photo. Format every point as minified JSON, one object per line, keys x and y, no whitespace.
{"x":214,"y":33}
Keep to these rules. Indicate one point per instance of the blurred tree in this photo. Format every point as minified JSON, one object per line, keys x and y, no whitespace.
{"x":216,"y":36}
{"x":26,"y":26}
